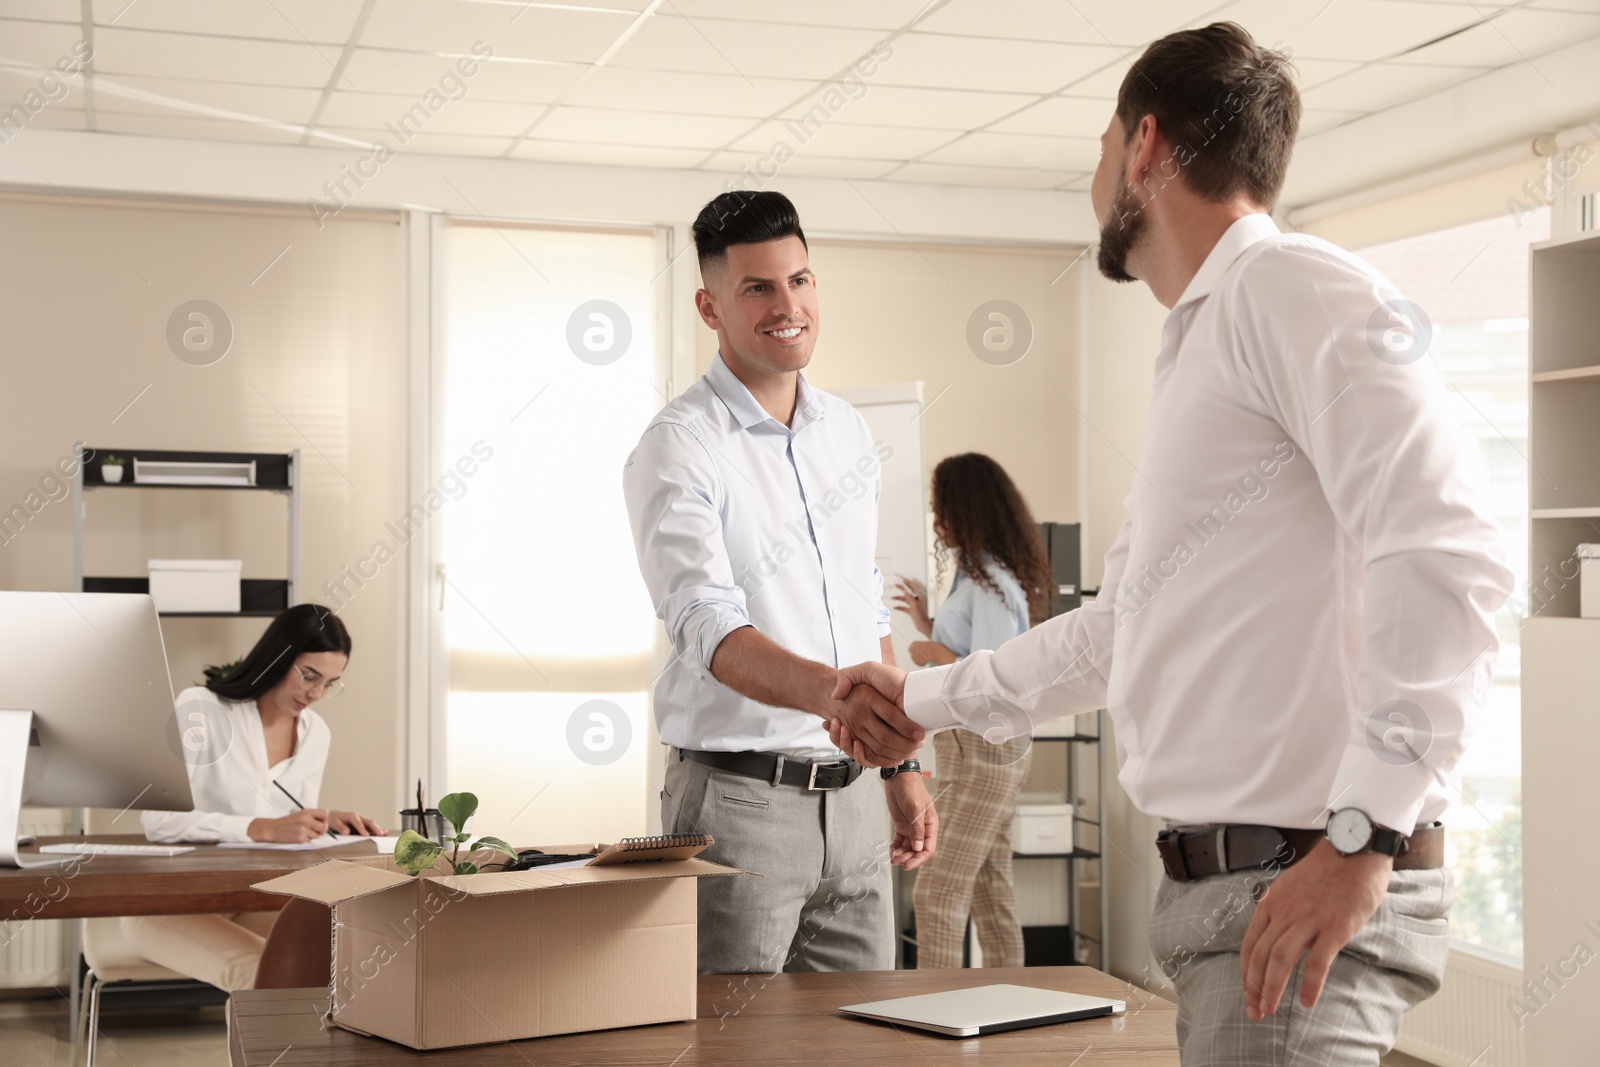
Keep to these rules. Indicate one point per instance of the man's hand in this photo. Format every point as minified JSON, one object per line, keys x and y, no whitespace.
{"x":885,"y":731}
{"x":869,"y":696}
{"x":916,"y":824}
{"x":1312,"y":909}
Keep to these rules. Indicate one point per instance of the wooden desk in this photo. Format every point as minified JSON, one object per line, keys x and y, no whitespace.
{"x":209,"y":879}
{"x":790,"y":1020}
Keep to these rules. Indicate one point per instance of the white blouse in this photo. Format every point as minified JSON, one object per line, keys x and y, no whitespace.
{"x":226,"y":751}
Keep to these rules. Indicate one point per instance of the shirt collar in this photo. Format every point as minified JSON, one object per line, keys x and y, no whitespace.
{"x":748,"y":410}
{"x":1235,"y":240}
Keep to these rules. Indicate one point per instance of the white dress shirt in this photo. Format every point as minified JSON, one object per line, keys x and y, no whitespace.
{"x":975,"y":616}
{"x":228,"y":771}
{"x":1303,"y":547}
{"x":740,"y":520}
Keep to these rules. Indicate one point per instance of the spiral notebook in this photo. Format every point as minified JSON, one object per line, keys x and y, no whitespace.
{"x":653,"y":849}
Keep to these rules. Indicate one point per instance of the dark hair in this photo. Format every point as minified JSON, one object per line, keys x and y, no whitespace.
{"x":983,"y":514}
{"x":302,"y":628}
{"x":1229,"y":107}
{"x":743,"y":217}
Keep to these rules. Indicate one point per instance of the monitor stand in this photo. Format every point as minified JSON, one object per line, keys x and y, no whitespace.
{"x":16,"y":727}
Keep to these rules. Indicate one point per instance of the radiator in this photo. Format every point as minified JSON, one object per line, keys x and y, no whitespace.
{"x":1469,"y":1023}
{"x":33,"y":952}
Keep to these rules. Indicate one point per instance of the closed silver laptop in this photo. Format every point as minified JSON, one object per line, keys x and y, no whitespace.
{"x":989,"y":1009}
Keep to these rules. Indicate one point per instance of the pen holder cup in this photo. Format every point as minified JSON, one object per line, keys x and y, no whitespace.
{"x":430,"y":824}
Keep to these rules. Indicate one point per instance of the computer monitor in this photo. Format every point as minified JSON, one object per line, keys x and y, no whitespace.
{"x":86,"y":710}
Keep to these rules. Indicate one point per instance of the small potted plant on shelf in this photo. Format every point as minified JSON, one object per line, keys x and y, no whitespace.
{"x":111,"y":469}
{"x":415,"y":853}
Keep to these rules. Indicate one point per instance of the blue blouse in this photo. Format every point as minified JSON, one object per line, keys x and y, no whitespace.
{"x":975,"y":617}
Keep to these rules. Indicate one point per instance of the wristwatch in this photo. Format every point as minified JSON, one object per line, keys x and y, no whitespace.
{"x":909,"y":765}
{"x":1350,"y":831}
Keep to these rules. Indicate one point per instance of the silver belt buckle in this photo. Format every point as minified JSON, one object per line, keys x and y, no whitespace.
{"x":811,"y":779}
{"x":1222,"y":848}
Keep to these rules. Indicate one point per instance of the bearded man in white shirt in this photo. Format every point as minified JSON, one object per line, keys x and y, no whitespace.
{"x":1298,"y":615}
{"x":753,"y":498}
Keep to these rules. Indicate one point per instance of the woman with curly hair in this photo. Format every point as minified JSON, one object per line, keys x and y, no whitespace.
{"x":999,"y":589}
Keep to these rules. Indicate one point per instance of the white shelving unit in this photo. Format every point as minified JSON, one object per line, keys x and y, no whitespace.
{"x":1560,"y":651}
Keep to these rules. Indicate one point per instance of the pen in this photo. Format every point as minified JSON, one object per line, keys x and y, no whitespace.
{"x":297,"y":803}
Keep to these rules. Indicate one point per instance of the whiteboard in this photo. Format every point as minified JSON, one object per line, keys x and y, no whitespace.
{"x":894,"y":414}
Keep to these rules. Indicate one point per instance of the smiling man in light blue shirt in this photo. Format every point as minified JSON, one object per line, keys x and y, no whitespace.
{"x":754,"y":503}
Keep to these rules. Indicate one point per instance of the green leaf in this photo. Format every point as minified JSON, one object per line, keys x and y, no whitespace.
{"x":461,"y":838}
{"x":458,"y":808}
{"x":464,"y":867}
{"x":415,"y":853}
{"x":496,"y":844}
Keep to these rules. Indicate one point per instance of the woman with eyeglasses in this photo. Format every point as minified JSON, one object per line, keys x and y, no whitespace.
{"x":256,"y":751}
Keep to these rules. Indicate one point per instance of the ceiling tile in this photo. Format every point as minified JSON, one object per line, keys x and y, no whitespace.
{"x":37,"y":44}
{"x":47,"y":10}
{"x":197,"y":129}
{"x":1314,"y":121}
{"x":896,"y":105}
{"x":1025,"y":151}
{"x":877,"y":15}
{"x":511,"y":30}
{"x":430,"y":142}
{"x":605,"y":126}
{"x":318,"y":21}
{"x":754,"y":170}
{"x":1122,"y":24}
{"x":1384,"y":85}
{"x":747,"y":49}
{"x":1061,"y":116}
{"x":1513,"y":37}
{"x":53,"y":117}
{"x":1361,"y":30}
{"x":842,"y":139}
{"x":944,"y":174}
{"x":410,"y":115}
{"x":937,"y":61}
{"x":170,"y":96}
{"x":682,"y":91}
{"x":607,"y":154}
{"x":413,"y":75}
{"x":119,"y":51}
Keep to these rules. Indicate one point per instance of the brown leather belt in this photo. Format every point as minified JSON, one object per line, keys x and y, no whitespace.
{"x":1202,"y":851}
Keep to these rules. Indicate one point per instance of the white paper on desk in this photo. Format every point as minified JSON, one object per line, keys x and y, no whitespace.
{"x":325,"y":841}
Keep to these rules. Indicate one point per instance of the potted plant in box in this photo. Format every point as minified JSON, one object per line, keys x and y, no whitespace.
{"x":415,"y":853}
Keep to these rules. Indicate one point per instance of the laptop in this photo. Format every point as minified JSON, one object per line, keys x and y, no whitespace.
{"x":989,"y":1009}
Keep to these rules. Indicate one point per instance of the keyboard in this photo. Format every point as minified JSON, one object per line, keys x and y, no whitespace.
{"x":95,"y":848}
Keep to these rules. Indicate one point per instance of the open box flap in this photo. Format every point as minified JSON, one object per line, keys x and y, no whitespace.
{"x":494,"y":882}
{"x":335,"y":881}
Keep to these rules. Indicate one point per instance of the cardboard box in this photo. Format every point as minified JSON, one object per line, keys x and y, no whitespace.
{"x":441,"y":961}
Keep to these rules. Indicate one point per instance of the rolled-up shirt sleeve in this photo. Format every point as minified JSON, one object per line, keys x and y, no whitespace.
{"x":174,"y":827}
{"x":1391,"y":467}
{"x":1060,"y":667}
{"x":674,"y":495}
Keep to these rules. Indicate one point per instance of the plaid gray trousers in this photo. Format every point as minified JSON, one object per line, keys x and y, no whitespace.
{"x":1392,"y":964}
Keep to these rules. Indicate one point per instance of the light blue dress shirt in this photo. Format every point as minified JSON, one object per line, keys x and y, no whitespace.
{"x":739,"y":520}
{"x":973,"y":616}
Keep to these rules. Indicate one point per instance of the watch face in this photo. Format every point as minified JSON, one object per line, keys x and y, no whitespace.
{"x":1350,"y":830}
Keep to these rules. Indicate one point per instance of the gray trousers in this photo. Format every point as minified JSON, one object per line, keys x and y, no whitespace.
{"x":1393,"y":963}
{"x":822,"y":901}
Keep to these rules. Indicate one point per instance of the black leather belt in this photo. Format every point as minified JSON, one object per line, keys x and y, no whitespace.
{"x":779,"y":770}
{"x":1203,"y":851}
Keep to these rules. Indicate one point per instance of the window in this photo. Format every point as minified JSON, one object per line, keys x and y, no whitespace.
{"x":551,"y":374}
{"x":1472,"y":281}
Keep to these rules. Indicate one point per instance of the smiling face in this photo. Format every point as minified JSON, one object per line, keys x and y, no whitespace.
{"x":306,"y":681}
{"x":762,"y":300}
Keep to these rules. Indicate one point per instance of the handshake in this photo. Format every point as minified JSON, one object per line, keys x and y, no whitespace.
{"x":866,"y":716}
